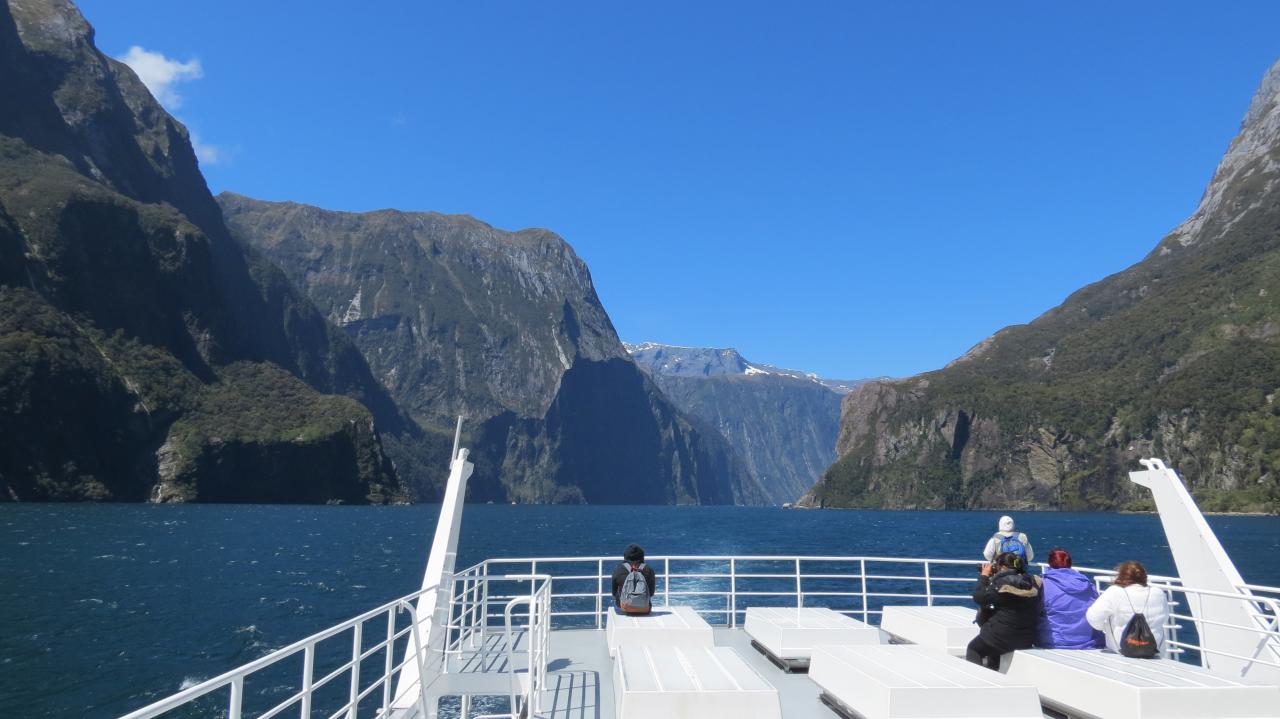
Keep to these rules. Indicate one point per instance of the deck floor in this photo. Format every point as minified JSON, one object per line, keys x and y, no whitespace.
{"x":580,"y":677}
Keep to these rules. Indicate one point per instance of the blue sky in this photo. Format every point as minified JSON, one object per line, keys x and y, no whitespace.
{"x":855,"y":189}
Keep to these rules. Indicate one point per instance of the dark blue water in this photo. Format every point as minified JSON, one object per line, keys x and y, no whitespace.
{"x":104,"y":608}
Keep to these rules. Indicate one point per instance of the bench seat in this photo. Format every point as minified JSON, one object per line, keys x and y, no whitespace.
{"x":897,"y":681}
{"x":946,"y":629}
{"x":787,"y":636}
{"x":664,"y":626}
{"x":1097,"y":683}
{"x":689,"y":683}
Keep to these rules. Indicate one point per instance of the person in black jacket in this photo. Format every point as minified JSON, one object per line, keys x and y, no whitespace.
{"x":1008,"y":602}
{"x":632,"y":557}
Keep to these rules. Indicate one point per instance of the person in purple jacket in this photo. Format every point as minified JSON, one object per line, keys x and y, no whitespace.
{"x":1067,"y":596}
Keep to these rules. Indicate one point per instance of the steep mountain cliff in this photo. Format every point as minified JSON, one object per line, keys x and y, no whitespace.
{"x":781,"y":422}
{"x":144,"y":354}
{"x":504,"y":328}
{"x":1177,"y":357}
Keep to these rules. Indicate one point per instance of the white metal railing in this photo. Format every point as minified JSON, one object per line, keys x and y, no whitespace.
{"x":462,"y":638}
{"x":721,"y":588}
{"x":538,"y":638}
{"x":468,"y":632}
{"x":575,"y":592}
{"x":352,"y":631}
{"x":1263,"y":604}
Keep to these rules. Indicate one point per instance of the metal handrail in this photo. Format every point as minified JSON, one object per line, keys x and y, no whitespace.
{"x":539,"y":624}
{"x":234,"y":679}
{"x":863,"y":593}
{"x":472,"y":593}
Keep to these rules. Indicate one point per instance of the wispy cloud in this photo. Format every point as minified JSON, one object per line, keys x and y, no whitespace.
{"x":399,"y":119}
{"x":161,"y":75}
{"x":207,"y":154}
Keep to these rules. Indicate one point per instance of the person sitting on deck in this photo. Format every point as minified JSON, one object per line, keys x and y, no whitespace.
{"x":1009,"y":610}
{"x":1008,"y":540}
{"x":633,"y":582}
{"x":1068,"y":594}
{"x":1129,"y":595}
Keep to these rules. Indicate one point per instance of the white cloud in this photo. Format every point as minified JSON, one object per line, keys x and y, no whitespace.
{"x":207,"y":154}
{"x":161,"y":75}
{"x":399,"y":119}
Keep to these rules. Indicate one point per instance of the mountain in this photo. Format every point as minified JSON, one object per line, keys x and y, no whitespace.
{"x":1177,"y":356}
{"x":456,"y":317}
{"x":677,"y":361}
{"x":781,"y":422}
{"x":144,"y":353}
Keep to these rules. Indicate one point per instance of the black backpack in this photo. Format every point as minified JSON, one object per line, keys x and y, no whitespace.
{"x":1137,"y":640}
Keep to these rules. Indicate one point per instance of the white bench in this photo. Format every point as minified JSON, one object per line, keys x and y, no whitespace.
{"x":664,"y":626}
{"x":787,"y":636}
{"x":887,"y":682}
{"x":689,"y":683}
{"x":947,"y":629}
{"x":1094,"y":683}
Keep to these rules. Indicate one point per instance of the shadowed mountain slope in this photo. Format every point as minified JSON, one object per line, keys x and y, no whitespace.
{"x":504,"y":328}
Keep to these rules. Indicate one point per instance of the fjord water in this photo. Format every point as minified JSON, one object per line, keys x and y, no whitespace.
{"x":108,"y":607}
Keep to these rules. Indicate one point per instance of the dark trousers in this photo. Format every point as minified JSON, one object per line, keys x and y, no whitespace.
{"x":979,"y":652}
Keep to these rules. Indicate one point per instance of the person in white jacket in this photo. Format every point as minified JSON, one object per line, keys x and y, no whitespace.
{"x":1006,"y":531}
{"x":1130,"y":595}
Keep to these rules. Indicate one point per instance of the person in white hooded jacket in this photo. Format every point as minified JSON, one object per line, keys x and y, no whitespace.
{"x":998,"y":539}
{"x":1129,"y":595}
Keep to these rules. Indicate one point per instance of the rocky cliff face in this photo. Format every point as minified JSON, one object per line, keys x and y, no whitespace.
{"x":459,"y":318}
{"x":143,"y":352}
{"x":1177,"y":357}
{"x":782,"y":423}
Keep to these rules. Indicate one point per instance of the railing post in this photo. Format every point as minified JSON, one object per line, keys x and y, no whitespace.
{"x":357,"y":639}
{"x":484,"y":605}
{"x":389,"y":661}
{"x":799,"y":596}
{"x":599,"y":592}
{"x":308,"y":669}
{"x":928,"y":586}
{"x":237,"y":698}
{"x":866,"y":611}
{"x":733,"y":592}
{"x":666,"y":581}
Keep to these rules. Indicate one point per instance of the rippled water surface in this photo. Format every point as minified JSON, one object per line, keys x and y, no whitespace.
{"x":107,"y":607}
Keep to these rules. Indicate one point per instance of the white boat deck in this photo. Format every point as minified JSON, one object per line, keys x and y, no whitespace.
{"x":580,"y":679}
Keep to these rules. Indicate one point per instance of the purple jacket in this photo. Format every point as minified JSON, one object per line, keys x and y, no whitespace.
{"x":1067,"y":594}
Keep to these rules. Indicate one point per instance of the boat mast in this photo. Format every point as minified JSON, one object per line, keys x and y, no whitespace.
{"x":432,"y":608}
{"x":1203,"y":563}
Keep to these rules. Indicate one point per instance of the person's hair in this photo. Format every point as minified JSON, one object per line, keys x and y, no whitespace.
{"x":1131,"y":572}
{"x":633,"y":553}
{"x":1059,"y":558}
{"x":1010,"y":560}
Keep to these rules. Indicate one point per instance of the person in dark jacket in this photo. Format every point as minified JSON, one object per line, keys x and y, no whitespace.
{"x":1009,"y":610}
{"x":633,"y":557}
{"x":1067,"y":596}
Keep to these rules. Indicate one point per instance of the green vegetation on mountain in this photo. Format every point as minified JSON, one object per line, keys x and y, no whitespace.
{"x":1176,"y":357}
{"x":144,"y":354}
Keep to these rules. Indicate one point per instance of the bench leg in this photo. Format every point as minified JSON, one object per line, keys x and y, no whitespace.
{"x":838,"y":707}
